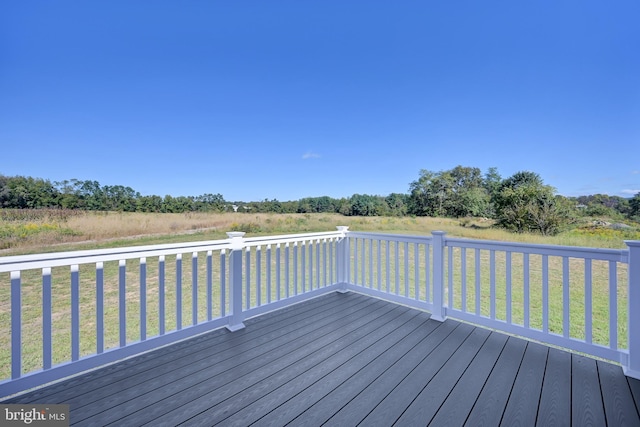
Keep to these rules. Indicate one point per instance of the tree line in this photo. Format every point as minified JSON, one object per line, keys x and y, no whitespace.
{"x":520,"y":203}
{"x":20,"y":192}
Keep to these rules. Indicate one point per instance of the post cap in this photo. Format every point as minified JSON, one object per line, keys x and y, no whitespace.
{"x":235,"y":234}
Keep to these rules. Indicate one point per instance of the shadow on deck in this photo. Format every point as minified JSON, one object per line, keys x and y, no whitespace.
{"x":348,"y":359}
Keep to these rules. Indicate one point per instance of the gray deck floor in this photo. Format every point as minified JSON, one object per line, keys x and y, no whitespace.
{"x":349,"y":359}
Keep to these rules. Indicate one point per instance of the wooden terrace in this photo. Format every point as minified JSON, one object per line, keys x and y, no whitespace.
{"x":333,"y":328}
{"x":347,"y":359}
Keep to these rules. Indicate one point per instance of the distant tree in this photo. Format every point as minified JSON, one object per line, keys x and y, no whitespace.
{"x":362,"y":205}
{"x":209,"y":202}
{"x":524,"y":203}
{"x":596,"y":209}
{"x":120,"y":198}
{"x":634,"y":207}
{"x":397,"y":204}
{"x":344,"y":206}
{"x":68,"y":197}
{"x":550,"y":216}
{"x":290,"y":206}
{"x":323,"y":204}
{"x":427,"y":194}
{"x":367,"y":205}
{"x":453,"y":193}
{"x":271,"y":206}
{"x":604,"y":205}
{"x":149,"y":204}
{"x":474,"y":202}
{"x":21,"y":192}
{"x":4,"y":191}
{"x":492,"y":181}
{"x":92,"y":195}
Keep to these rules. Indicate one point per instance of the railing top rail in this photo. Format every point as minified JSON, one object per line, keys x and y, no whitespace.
{"x":288,"y":238}
{"x":57,"y":259}
{"x":108,"y":251}
{"x":389,"y":236}
{"x":23,"y":262}
{"x":620,"y":255}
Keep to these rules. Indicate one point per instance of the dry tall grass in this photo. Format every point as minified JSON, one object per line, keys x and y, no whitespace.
{"x":84,"y":230}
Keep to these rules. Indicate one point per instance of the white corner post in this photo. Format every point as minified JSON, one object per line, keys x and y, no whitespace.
{"x":236,"y":247}
{"x":632,"y":367}
{"x":438,"y":245}
{"x":343,"y":259}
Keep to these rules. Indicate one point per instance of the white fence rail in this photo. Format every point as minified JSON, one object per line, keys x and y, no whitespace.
{"x":583,"y":299}
{"x":68,"y":312}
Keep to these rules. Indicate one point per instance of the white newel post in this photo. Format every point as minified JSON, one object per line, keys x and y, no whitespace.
{"x":439,"y":312}
{"x":236,"y":242}
{"x":632,"y":368}
{"x":343,"y":258}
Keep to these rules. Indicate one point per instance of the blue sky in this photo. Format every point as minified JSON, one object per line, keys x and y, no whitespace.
{"x":290,"y":99}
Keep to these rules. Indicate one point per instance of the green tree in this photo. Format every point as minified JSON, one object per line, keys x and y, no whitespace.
{"x":149,"y":204}
{"x":397,"y":204}
{"x":21,"y":192}
{"x":634,"y":207}
{"x":454,"y":193}
{"x":92,"y":195}
{"x":209,"y":202}
{"x":367,"y":205}
{"x":69,"y":196}
{"x":525,"y":204}
{"x":427,"y":194}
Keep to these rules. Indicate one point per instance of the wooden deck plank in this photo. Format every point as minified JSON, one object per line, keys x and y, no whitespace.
{"x":186,"y":386}
{"x":634,"y":385}
{"x":237,"y":347}
{"x":396,"y":402}
{"x":555,"y":401}
{"x":278,"y":390}
{"x":586,"y":403}
{"x":358,"y":396}
{"x":343,"y":386}
{"x":216,"y":341}
{"x":456,"y":408}
{"x":620,"y":409}
{"x":430,"y":399}
{"x":349,"y":359}
{"x":490,"y":405}
{"x":522,"y":408}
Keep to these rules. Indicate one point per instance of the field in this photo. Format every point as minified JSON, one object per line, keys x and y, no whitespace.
{"x":38,"y":231}
{"x":47,"y":231}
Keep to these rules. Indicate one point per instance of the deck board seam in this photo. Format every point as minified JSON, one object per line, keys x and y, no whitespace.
{"x":544,"y":376}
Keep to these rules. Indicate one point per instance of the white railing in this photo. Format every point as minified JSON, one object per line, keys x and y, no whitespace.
{"x":583,"y":299}
{"x":68,"y":312}
{"x":71,"y":311}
